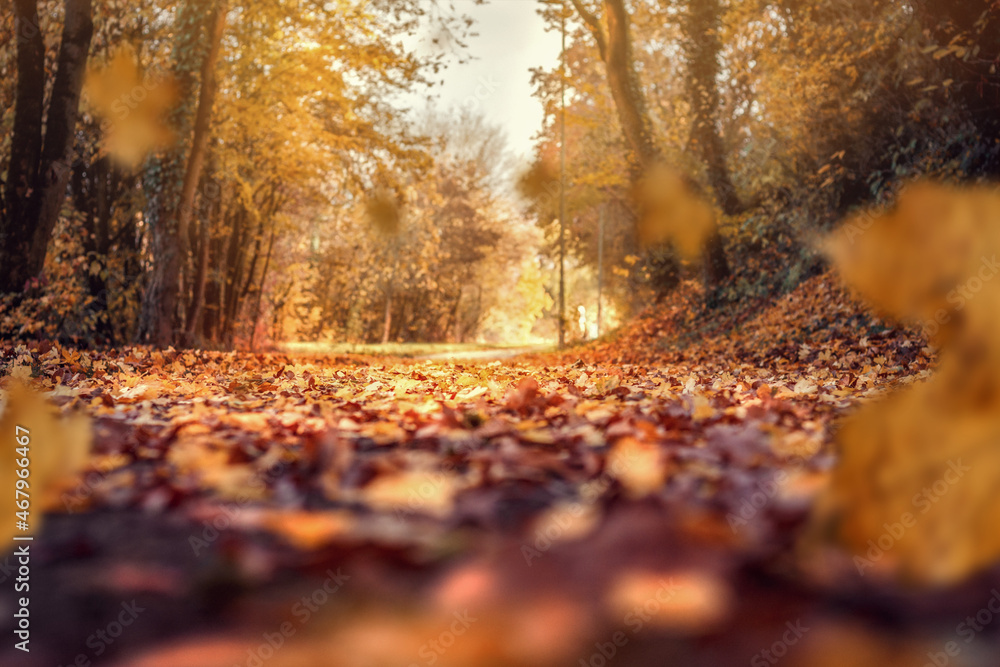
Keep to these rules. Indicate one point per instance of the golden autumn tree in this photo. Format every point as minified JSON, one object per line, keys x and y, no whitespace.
{"x":307,"y":88}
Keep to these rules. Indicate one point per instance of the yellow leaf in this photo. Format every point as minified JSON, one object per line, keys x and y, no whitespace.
{"x":685,"y":602}
{"x":413,"y":491}
{"x":132,"y":106}
{"x":639,"y":466}
{"x":702,"y":409}
{"x":56,"y":448}
{"x":566,"y":521}
{"x":308,"y":530}
{"x":671,"y":212}
{"x":914,"y":492}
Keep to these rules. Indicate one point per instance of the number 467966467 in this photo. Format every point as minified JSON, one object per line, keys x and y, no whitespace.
{"x":23,"y":439}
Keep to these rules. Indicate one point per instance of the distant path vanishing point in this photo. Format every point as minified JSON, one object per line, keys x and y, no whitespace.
{"x":483,"y":355}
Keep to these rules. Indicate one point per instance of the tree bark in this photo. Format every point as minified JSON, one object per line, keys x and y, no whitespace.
{"x":231,"y":276}
{"x":39,"y":174}
{"x":93,"y":187}
{"x":260,"y":289}
{"x":159,"y":325}
{"x":390,"y":284}
{"x":198,"y":287}
{"x":387,"y":319}
{"x":26,"y":148}
{"x":215,"y":284}
{"x":196,"y":159}
{"x":234,"y":290}
{"x":614,"y":44}
{"x":702,"y":47}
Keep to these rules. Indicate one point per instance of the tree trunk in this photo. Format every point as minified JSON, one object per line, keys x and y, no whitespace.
{"x":702,"y":47}
{"x":716,"y":266}
{"x":93,"y":186}
{"x":231,"y":276}
{"x":615,"y":47}
{"x":199,"y":146}
{"x":387,"y":319}
{"x":159,"y":325}
{"x":614,"y":43}
{"x":26,"y":148}
{"x":390,"y":284}
{"x":234,"y":289}
{"x":196,"y":305}
{"x":626,"y":89}
{"x":215,"y":286}
{"x":254,"y":258}
{"x":39,"y":174}
{"x":260,"y":289}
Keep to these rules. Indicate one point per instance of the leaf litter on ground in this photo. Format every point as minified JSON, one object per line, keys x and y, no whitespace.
{"x":531,"y":512}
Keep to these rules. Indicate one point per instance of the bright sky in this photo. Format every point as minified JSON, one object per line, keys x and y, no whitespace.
{"x":512,"y":39}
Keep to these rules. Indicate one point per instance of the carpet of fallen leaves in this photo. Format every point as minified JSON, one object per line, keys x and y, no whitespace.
{"x":637,"y":501}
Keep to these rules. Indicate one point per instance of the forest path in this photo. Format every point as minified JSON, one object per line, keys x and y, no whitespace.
{"x":419,"y":351}
{"x":435,"y":513}
{"x":486,"y":354}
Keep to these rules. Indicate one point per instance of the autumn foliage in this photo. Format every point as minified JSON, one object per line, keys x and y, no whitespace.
{"x":275,"y":377}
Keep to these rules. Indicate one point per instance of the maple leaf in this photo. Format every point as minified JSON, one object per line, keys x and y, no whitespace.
{"x":132,"y":105}
{"x":55,"y":448}
{"x":671,"y":212}
{"x":917,"y":470}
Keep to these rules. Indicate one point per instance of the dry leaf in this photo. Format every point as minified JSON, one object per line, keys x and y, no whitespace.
{"x":671,"y":212}
{"x":133,"y":106}
{"x":914,"y":492}
{"x":688,"y":602}
{"x":639,"y":466}
{"x":56,"y":448}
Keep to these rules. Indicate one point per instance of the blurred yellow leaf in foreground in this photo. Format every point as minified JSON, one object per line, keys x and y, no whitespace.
{"x":672,"y":212}
{"x":56,"y":448}
{"x":132,"y":107}
{"x":682,"y":602}
{"x":382,"y":209}
{"x":639,"y":466}
{"x":915,"y":491}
